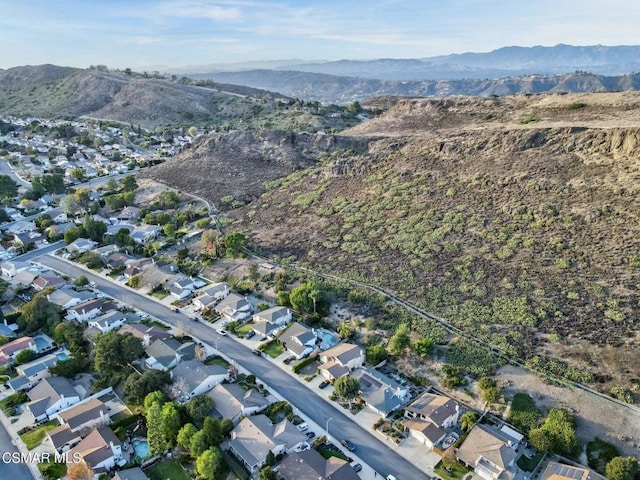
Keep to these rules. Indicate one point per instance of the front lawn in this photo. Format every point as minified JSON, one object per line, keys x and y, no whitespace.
{"x":34,"y":437}
{"x":244,"y":329}
{"x":274,"y":348}
{"x":328,"y":453}
{"x":453,"y":471}
{"x":216,"y":360}
{"x":53,"y":471}
{"x":167,"y":469}
{"x":160,"y":294}
{"x":154,"y":323}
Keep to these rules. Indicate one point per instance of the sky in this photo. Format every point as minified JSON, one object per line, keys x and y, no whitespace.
{"x":175,"y":33}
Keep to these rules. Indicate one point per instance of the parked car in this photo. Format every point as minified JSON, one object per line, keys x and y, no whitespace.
{"x":288,"y":360}
{"x":357,"y":467}
{"x":323,"y":384}
{"x":350,"y":446}
{"x":257,"y":352}
{"x":391,"y":477}
{"x":222,"y":332}
{"x":250,"y":334}
{"x":224,"y":324}
{"x":302,"y":427}
{"x":310,"y":435}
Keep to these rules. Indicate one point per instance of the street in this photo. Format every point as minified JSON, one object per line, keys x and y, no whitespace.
{"x":16,"y":471}
{"x":369,"y":448}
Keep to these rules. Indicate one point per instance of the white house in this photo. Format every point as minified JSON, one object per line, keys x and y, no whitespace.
{"x":275,"y":315}
{"x":67,"y":297}
{"x":81,"y":245}
{"x":299,"y":340}
{"x":101,"y":450}
{"x":382,"y":394}
{"x":234,"y":307}
{"x":164,"y":354}
{"x":192,"y":378}
{"x":8,"y":351}
{"x":90,"y":413}
{"x":49,"y":396}
{"x":487,"y":451}
{"x":109,"y":321}
{"x":83,"y":312}
{"x":428,"y":417}
{"x":232,"y":402}
{"x":341,"y":359}
{"x":211,"y":295}
{"x":11,"y":268}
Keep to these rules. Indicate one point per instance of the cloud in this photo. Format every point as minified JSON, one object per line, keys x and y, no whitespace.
{"x":203,"y":9}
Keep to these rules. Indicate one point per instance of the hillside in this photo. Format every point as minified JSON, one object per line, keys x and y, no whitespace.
{"x":237,"y":164}
{"x":515,"y":218}
{"x":51,"y":91}
{"x":342,"y":89}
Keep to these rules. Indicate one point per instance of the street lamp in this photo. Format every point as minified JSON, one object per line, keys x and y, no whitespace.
{"x":326,"y":427}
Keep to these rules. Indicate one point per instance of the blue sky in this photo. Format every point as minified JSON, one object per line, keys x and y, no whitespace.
{"x":144,"y":33}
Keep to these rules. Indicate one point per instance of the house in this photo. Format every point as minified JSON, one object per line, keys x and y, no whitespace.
{"x":101,"y":450}
{"x":39,"y":368}
{"x":81,"y":245}
{"x":234,"y":307}
{"x":182,"y":288}
{"x":22,"y":226}
{"x":85,"y":311}
{"x":276,"y":315}
{"x":107,"y":250}
{"x":192,"y":378}
{"x":299,"y":340}
{"x":166,"y":354}
{"x":8,"y":351}
{"x":23,"y":279}
{"x":130,"y":474}
{"x":559,"y":471}
{"x":310,"y":464}
{"x":487,"y":451}
{"x":265,"y":329}
{"x":146,"y":334}
{"x":442,"y":411}
{"x":232,"y":402}
{"x":58,"y":229}
{"x":128,"y":214}
{"x":380,"y":393}
{"x":48,"y":281}
{"x":145,"y":233}
{"x":118,"y":260}
{"x":109,"y":321}
{"x":50,"y":396}
{"x":62,"y":438}
{"x":86,"y":415}
{"x":23,"y":240}
{"x":12,"y":268}
{"x":60,"y":218}
{"x":339,"y":360}
{"x":67,"y":297}
{"x":254,"y":437}
{"x":211,"y":295}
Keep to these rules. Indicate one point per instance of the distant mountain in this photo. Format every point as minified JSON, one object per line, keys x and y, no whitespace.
{"x":507,"y":61}
{"x":336,"y":89}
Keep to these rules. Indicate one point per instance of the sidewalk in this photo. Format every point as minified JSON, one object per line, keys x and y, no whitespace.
{"x":19,"y":444}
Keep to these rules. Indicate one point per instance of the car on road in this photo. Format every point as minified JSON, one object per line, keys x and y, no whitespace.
{"x":323,"y":384}
{"x":357,"y":467}
{"x":302,"y":427}
{"x":257,"y":352}
{"x":350,"y":446}
{"x":288,"y":360}
{"x":221,"y":331}
{"x":310,"y":435}
{"x":391,"y":477}
{"x":250,"y":334}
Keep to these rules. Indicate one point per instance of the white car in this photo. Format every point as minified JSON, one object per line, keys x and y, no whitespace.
{"x":302,"y":427}
{"x":222,"y":332}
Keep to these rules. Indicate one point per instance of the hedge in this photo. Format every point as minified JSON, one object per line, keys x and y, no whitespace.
{"x":300,"y":365}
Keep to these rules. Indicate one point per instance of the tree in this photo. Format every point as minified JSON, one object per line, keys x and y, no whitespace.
{"x":8,"y":189}
{"x":185,"y":435}
{"x":271,"y":459}
{"x":468,"y":420}
{"x":198,"y":444}
{"x":81,"y":281}
{"x":208,"y":463}
{"x":557,"y":434}
{"x":72,"y":234}
{"x":400,"y":339}
{"x":309,"y":298}
{"x":169,"y":230}
{"x":79,"y":173}
{"x":346,"y":387}
{"x":114,"y":351}
{"x":541,"y":440}
{"x":376,"y":354}
{"x":38,"y":313}
{"x":423,"y":346}
{"x":622,"y":468}
{"x":155,"y":429}
{"x":171,"y":421}
{"x":212,"y":431}
{"x":266,"y":474}
{"x":154,"y":397}
{"x":111,"y":185}
{"x":233,"y":242}
{"x":136,"y":388}
{"x":489,"y":390}
{"x":129,"y":184}
{"x":345,"y":330}
{"x":94,"y":229}
{"x":25,"y":356}
{"x":79,"y":471}
{"x":226,"y":425}
{"x":199,"y":408}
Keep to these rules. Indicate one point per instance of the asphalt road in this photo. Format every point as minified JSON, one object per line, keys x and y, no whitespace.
{"x":371,"y":450}
{"x":11,"y":470}
{"x":5,"y":169}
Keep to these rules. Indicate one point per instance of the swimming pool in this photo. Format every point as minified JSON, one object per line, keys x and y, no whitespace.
{"x":62,"y":356}
{"x":141,"y":447}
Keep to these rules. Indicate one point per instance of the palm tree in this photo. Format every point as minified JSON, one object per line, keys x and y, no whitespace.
{"x":467,"y":420}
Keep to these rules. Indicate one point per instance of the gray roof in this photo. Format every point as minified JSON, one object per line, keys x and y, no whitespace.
{"x":273,"y":314}
{"x":80,"y":414}
{"x":297,"y":338}
{"x":130,"y":474}
{"x":39,"y":367}
{"x":230,"y":398}
{"x":343,"y":352}
{"x":47,"y":392}
{"x":436,"y":408}
{"x":62,"y":435}
{"x":379,"y":391}
{"x":18,"y":382}
{"x":311,"y":465}
{"x":214,"y":289}
{"x":66,"y":294}
{"x":484,"y":442}
{"x":264,"y":328}
{"x":232,"y":301}
{"x":164,"y":351}
{"x":194,"y":372}
{"x":95,"y":447}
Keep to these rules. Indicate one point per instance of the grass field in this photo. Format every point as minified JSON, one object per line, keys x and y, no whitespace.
{"x":244,"y":329}
{"x":217,"y":361}
{"x":167,"y":469}
{"x":456,"y":471}
{"x":53,"y":471}
{"x":274,"y":349}
{"x":34,"y":437}
{"x":530,"y":464}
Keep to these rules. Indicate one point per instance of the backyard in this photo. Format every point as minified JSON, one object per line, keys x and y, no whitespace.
{"x":167,"y":469}
{"x":452,"y":471}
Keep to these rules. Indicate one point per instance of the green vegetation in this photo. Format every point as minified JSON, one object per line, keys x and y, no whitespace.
{"x":237,"y":469}
{"x":34,"y":437}
{"x":216,"y":360}
{"x":451,"y":471}
{"x":329,"y":452}
{"x":167,"y":469}
{"x":530,"y":464}
{"x":53,"y":471}
{"x":473,"y":359}
{"x":622,"y":468}
{"x":576,"y":105}
{"x":301,"y":364}
{"x":557,"y":434}
{"x":12,"y":400}
{"x":273,"y":348}
{"x":523,"y":413}
{"x":600,"y":453}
